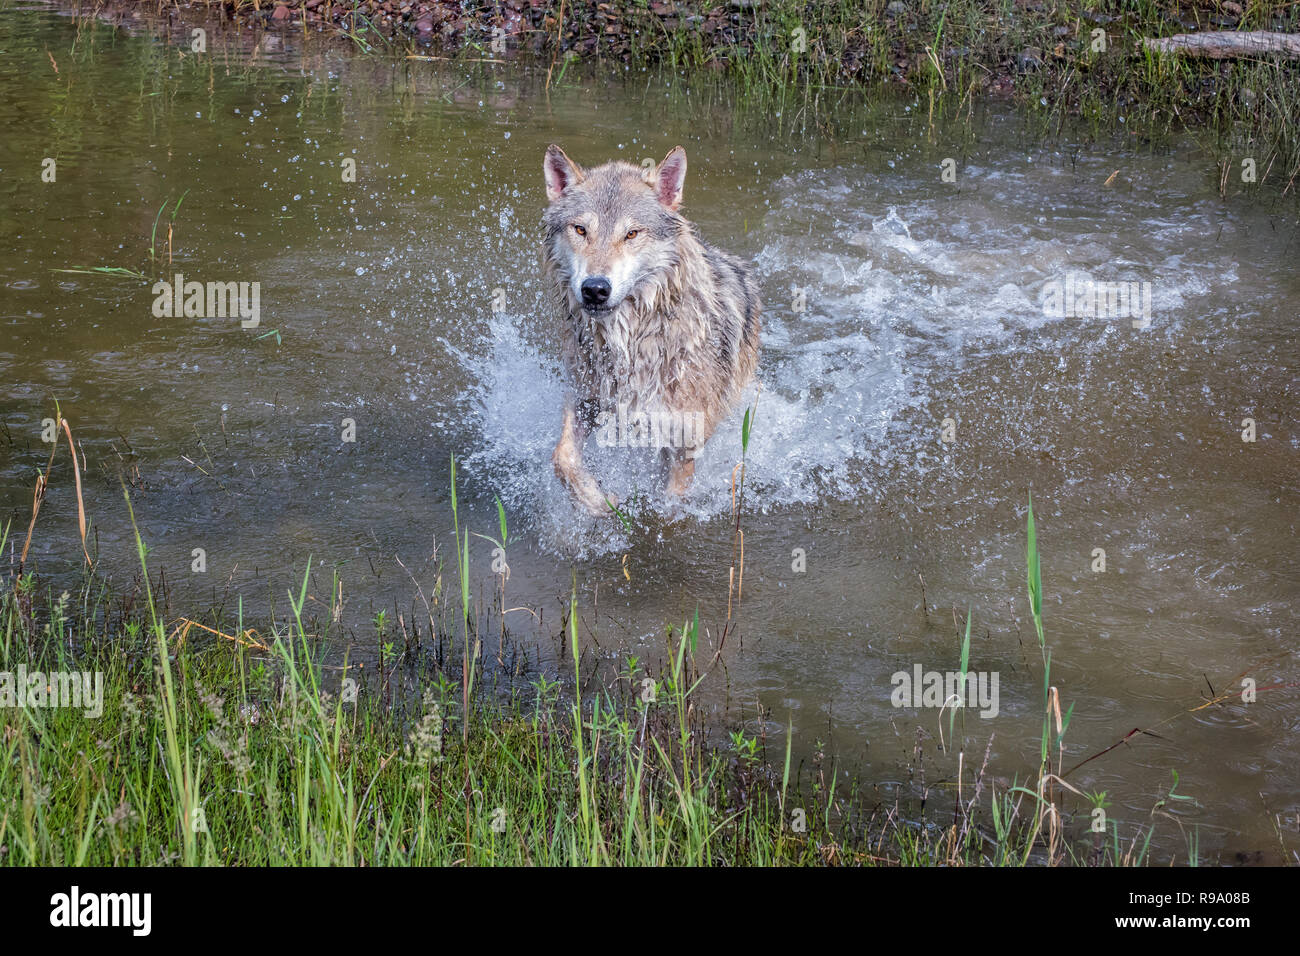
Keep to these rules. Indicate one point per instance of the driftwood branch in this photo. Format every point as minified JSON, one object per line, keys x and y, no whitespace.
{"x":1228,"y":44}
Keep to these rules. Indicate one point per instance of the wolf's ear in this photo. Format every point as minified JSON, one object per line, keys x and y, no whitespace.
{"x":560,"y":171}
{"x":669,"y":178}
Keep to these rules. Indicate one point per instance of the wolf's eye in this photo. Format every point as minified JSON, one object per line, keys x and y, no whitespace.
{"x":579,"y":230}
{"x":633,"y":234}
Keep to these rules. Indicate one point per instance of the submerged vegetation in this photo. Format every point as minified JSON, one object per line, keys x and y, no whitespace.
{"x":1065,"y":62}
{"x":210,"y":741}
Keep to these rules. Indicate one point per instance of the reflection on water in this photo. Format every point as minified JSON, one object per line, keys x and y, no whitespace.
{"x":914,"y":390}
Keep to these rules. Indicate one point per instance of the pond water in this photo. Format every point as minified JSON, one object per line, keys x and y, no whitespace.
{"x":916,"y":386}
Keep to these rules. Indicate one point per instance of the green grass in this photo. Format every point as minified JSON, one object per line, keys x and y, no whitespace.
{"x":215,"y":753}
{"x":223,"y":744}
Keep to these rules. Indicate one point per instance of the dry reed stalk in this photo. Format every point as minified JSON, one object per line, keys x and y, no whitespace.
{"x":184,"y":625}
{"x":43,"y":484}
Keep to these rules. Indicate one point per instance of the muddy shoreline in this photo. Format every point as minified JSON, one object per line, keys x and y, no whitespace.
{"x":721,"y":33}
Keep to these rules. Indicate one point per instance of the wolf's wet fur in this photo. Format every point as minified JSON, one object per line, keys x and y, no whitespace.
{"x":656,"y":324}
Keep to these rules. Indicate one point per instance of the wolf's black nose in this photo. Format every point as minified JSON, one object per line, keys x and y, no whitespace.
{"x":595,"y":291}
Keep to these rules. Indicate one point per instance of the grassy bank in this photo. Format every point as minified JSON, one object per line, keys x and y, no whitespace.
{"x":1064,"y":62}
{"x":252,"y":747}
{"x":222,"y":743}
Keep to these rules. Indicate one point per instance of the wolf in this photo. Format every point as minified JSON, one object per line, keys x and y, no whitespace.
{"x":656,"y":325}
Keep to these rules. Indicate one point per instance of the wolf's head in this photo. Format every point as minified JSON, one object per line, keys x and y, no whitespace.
{"x":613,"y":230}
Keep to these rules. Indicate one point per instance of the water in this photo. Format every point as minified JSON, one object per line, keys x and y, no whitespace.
{"x":894,"y":301}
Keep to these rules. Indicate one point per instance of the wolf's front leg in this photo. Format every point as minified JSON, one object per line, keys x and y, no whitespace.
{"x":681,"y":473}
{"x":571,"y":470}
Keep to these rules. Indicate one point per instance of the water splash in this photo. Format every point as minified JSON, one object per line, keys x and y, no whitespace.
{"x":860,"y":323}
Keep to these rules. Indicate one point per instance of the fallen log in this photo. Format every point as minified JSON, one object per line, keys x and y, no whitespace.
{"x":1227,"y":44}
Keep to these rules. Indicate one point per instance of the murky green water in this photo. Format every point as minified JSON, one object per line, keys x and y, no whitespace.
{"x":922,"y":304}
